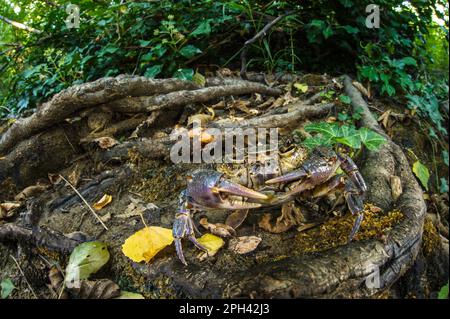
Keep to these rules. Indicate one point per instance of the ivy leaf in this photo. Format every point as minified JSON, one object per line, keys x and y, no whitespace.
{"x":327,"y":130}
{"x":184,"y":74}
{"x":369,"y":72}
{"x":422,"y":173}
{"x":203,"y":28}
{"x":153,"y":71}
{"x":409,"y":61}
{"x":372,"y":140}
{"x":313,"y":142}
{"x":86,"y":259}
{"x":199,"y":79}
{"x":7,"y":288}
{"x":349,"y":136}
{"x":345,"y":99}
{"x":189,"y":51}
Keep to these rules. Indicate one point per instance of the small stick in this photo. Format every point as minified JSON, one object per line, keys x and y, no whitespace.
{"x":87,"y":204}
{"x":25,"y":277}
{"x":258,"y":36}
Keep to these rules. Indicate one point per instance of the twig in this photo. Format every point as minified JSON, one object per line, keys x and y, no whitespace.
{"x":84,"y":200}
{"x":25,"y":277}
{"x":258,"y":36}
{"x":19,"y":25}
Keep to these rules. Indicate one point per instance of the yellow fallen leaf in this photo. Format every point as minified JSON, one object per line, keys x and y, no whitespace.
{"x":301,"y":87}
{"x":211,"y":242}
{"x":105,"y":200}
{"x":146,"y":243}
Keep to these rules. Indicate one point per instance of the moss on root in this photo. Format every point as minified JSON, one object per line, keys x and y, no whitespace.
{"x":430,"y":238}
{"x":335,"y":231}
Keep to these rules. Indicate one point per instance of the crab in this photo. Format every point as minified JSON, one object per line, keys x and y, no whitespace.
{"x":268,"y":181}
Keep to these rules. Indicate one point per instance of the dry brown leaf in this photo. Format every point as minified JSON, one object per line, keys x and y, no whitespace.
{"x":243,"y":106}
{"x":396,"y":187}
{"x":218,"y":229}
{"x":236,"y":218}
{"x":7,"y":210}
{"x":267,"y":103}
{"x":106,"y":142}
{"x":30,"y":191}
{"x":54,"y":178}
{"x":361,"y":89}
{"x":137,"y":207}
{"x":244,"y":244}
{"x":205,"y":137}
{"x":290,"y":216}
{"x":384,"y":118}
{"x":105,"y":200}
{"x":96,"y":289}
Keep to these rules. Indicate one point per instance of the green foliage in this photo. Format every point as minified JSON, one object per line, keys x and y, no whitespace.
{"x":406,"y":56}
{"x":7,"y":287}
{"x":443,"y":293}
{"x":330,"y":134}
{"x":86,"y":259}
{"x":422,"y":173}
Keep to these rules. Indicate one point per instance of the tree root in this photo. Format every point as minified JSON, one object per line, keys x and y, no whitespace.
{"x":40,"y":237}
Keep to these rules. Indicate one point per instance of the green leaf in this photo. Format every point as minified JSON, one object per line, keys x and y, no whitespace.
{"x":327,"y":32}
{"x":313,"y":142}
{"x":159,"y":50}
{"x":342,"y":117}
{"x":184,"y":74}
{"x":445,"y":157}
{"x":129,"y":295}
{"x":443,"y":185}
{"x":189,"y":51}
{"x":7,"y":288}
{"x":86,"y":259}
{"x":327,"y":130}
{"x":199,"y":79}
{"x":372,"y":140}
{"x":203,"y":28}
{"x":345,"y":99}
{"x":301,"y":87}
{"x":369,"y":72}
{"x":422,"y":173}
{"x":409,"y":61}
{"x":153,"y":71}
{"x":350,"y":29}
{"x":349,"y":136}
{"x":443,"y":293}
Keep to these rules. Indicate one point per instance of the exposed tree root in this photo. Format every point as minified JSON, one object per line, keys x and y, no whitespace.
{"x":40,"y":237}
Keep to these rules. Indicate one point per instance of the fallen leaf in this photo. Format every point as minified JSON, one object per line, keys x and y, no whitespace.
{"x":218,"y":229}
{"x":301,"y":87}
{"x":422,"y":173}
{"x":30,"y":191}
{"x":244,"y":244}
{"x":361,"y":89}
{"x":129,"y":295}
{"x":146,"y":243}
{"x":199,"y":79}
{"x":137,"y":207}
{"x":242,"y":106}
{"x":105,"y":200}
{"x":236,"y":218}
{"x":96,"y":289}
{"x":211,"y":243}
{"x":290,"y":216}
{"x":7,"y":209}
{"x":7,"y":288}
{"x":105,"y":217}
{"x":54,"y":178}
{"x":396,"y":187}
{"x":106,"y":142}
{"x":86,"y":259}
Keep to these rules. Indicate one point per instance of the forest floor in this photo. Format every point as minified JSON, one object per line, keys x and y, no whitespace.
{"x":152,"y":182}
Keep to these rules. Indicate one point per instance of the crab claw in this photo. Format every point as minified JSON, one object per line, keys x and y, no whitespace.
{"x":183,"y":227}
{"x":350,"y":168}
{"x":209,"y":189}
{"x":355,"y":205}
{"x":289,"y":177}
